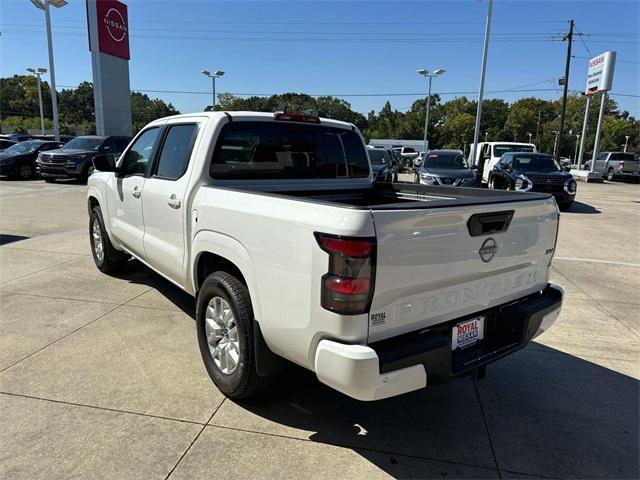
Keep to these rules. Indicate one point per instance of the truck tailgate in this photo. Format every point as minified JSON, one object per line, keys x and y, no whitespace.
{"x":431,"y":269}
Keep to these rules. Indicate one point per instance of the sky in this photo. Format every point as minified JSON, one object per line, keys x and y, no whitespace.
{"x":366,"y":52}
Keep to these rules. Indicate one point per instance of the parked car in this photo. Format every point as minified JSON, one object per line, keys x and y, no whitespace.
{"x":616,"y":165}
{"x":536,"y":172}
{"x":407,"y":154}
{"x":74,"y":159}
{"x":489,"y":153}
{"x":17,"y":137}
{"x":274,"y":223}
{"x":385,"y":168}
{"x":446,"y":167}
{"x":19,"y":160}
{"x":6,"y":143}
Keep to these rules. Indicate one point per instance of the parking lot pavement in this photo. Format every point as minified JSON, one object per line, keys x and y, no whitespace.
{"x":101,"y":376}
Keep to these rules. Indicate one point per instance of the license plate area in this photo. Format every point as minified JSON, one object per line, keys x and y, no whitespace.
{"x":468,"y":332}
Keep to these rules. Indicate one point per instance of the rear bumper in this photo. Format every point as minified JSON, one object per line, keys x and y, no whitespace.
{"x":412,"y":361}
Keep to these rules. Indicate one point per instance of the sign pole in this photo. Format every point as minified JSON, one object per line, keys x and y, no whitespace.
{"x":596,"y":145}
{"x":485,"y":50}
{"x":585,"y":127}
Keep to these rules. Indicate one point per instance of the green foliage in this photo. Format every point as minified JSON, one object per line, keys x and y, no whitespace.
{"x":19,"y":110}
{"x":451,"y":124}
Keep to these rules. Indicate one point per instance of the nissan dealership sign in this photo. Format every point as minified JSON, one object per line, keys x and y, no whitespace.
{"x":113,"y":28}
{"x":600,"y":73}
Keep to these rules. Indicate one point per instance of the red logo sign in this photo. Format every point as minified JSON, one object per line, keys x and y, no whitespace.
{"x":113,"y":28}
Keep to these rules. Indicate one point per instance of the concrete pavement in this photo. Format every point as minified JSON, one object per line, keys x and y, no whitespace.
{"x":101,"y":377}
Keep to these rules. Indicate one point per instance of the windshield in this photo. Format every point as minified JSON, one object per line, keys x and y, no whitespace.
{"x":542,"y":163}
{"x":83,"y":143}
{"x":499,"y":150}
{"x":376,"y":156}
{"x":23,"y":147}
{"x":282,"y":150}
{"x":445,"y":160}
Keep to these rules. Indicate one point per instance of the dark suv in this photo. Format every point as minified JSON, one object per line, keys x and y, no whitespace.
{"x":75,"y":158}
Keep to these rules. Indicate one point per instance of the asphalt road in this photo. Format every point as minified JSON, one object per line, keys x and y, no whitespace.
{"x":100,"y":377}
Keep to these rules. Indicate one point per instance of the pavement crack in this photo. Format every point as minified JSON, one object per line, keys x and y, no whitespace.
{"x":195,"y":439}
{"x":486,"y":426}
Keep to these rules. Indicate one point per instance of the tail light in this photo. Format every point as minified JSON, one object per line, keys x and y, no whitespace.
{"x":297,"y":117}
{"x":621,"y":165}
{"x":347,"y":287}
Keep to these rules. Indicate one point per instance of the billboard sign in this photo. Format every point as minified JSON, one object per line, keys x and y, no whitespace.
{"x":600,"y":72}
{"x":113,"y":28}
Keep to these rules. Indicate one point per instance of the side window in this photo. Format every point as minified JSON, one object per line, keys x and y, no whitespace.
{"x":602,"y":156}
{"x":176,"y":151}
{"x":136,"y":160}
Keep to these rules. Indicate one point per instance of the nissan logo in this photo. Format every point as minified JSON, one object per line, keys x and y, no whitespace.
{"x":488,"y":250}
{"x":115,"y":25}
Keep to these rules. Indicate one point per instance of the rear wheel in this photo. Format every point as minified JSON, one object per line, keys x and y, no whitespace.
{"x":611,"y":175}
{"x":105,"y":256}
{"x":25,"y":172}
{"x":224,"y":321}
{"x":492,"y":182}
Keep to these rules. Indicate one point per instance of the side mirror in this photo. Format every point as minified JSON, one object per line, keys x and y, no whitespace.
{"x":104,"y":163}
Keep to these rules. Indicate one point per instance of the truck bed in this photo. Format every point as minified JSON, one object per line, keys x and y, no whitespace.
{"x":401,"y":196}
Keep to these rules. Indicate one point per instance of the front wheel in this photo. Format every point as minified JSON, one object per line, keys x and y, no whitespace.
{"x":224,"y":322}
{"x":105,"y":256}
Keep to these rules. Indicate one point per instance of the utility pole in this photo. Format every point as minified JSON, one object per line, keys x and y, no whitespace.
{"x":485,"y":51}
{"x":569,"y":38}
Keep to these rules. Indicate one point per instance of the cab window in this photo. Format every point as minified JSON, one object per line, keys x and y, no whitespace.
{"x":137,"y":158}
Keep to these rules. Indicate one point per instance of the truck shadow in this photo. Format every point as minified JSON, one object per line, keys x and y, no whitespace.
{"x":538,"y":412}
{"x":547,"y":413}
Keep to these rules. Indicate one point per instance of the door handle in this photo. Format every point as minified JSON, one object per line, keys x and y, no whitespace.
{"x":136,"y":192}
{"x":173,"y":201}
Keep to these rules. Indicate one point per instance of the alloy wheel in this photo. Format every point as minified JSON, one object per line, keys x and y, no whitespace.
{"x":222,"y":335}
{"x":96,"y":237}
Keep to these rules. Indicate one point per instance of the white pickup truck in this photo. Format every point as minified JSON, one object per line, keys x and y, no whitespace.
{"x":274,"y":223}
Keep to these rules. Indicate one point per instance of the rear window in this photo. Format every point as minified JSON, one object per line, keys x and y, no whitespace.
{"x":278,"y":150}
{"x":499,"y":150}
{"x":623,"y":156}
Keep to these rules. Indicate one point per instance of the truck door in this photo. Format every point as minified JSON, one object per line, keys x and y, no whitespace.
{"x":125,"y":205}
{"x":164,"y":205}
{"x":601,"y":161}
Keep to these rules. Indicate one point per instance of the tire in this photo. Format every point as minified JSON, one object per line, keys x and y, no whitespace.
{"x":565,"y":206}
{"x":491,"y":184}
{"x":105,"y":256}
{"x":611,"y":176}
{"x":25,"y":172}
{"x":223,"y":342}
{"x":84,"y":177}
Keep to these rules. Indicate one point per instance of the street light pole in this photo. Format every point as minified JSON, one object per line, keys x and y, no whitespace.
{"x":425,"y":73}
{"x":37,"y":72}
{"x":575,"y":154}
{"x":213,"y":76}
{"x":626,"y":142}
{"x":485,"y":50}
{"x":44,"y":5}
{"x":530,"y":135}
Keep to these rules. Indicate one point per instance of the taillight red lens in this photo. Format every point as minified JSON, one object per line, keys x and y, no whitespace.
{"x":347,"y":247}
{"x":348,"y":286}
{"x":621,"y":165}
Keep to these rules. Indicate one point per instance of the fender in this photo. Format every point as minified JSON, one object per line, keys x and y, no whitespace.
{"x":231,"y":249}
{"x":95,"y":192}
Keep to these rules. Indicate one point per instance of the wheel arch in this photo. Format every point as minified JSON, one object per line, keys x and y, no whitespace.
{"x":213,"y":251}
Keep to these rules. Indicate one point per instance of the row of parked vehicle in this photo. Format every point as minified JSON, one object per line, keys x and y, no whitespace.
{"x":25,"y":156}
{"x":499,"y":166}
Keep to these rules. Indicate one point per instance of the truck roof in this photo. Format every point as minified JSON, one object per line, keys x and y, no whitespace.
{"x":248,"y":116}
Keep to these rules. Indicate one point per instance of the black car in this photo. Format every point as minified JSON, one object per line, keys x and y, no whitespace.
{"x":75,"y":158}
{"x":385,"y":168}
{"x":6,"y":143}
{"x":537,"y":172}
{"x":446,"y":167}
{"x":19,"y":160}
